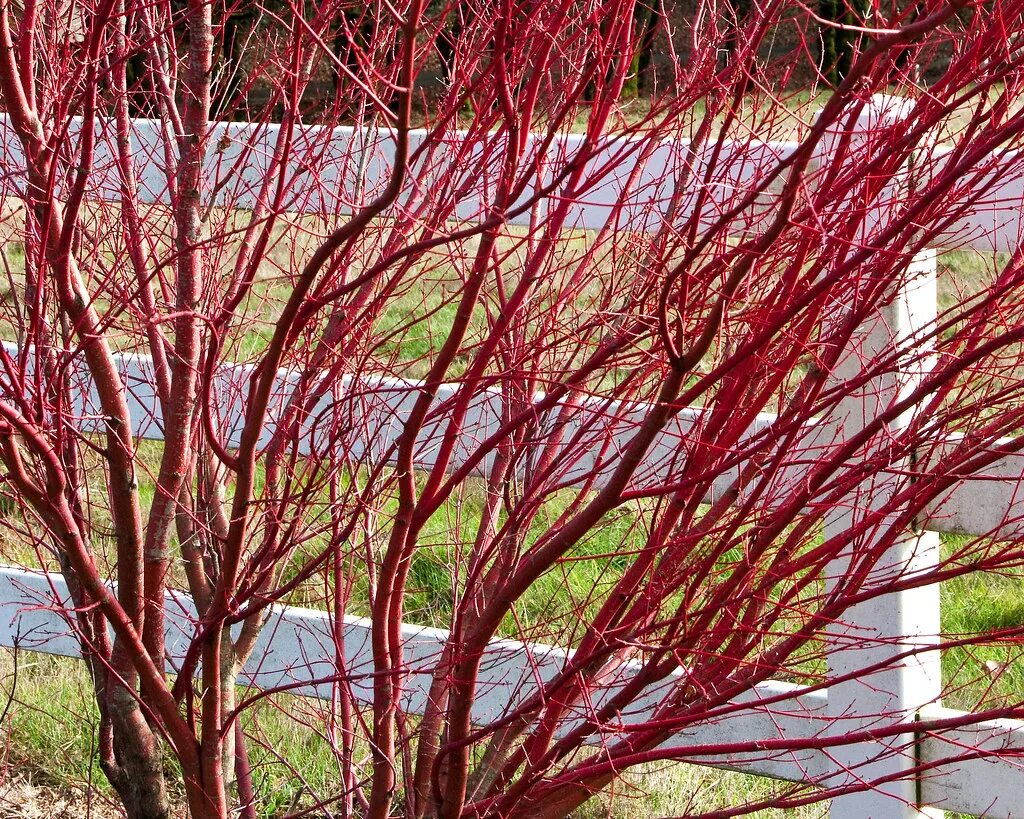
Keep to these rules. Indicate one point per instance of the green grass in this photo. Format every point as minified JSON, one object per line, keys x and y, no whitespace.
{"x":50,"y":733}
{"x":986,"y":675}
{"x":51,"y":723}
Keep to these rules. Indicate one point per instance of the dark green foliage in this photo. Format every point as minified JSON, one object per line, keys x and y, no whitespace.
{"x":838,"y":45}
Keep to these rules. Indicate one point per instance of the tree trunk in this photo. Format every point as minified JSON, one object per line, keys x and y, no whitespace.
{"x":138,"y":775}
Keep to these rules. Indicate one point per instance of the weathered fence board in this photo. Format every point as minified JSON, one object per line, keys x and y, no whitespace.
{"x":298,"y":649}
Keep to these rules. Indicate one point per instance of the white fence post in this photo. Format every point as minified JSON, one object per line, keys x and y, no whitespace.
{"x":881,"y":629}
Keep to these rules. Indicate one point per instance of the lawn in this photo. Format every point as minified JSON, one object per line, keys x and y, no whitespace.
{"x":51,"y":720}
{"x":50,"y":723}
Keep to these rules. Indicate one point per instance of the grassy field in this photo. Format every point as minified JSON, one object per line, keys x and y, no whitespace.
{"x":50,"y":723}
{"x":49,"y":726}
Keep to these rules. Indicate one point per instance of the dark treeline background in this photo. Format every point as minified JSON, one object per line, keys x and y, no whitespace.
{"x":662,"y":33}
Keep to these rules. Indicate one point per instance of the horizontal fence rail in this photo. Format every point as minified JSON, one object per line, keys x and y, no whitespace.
{"x":631,"y":180}
{"x":371,"y":411}
{"x":296,"y":650}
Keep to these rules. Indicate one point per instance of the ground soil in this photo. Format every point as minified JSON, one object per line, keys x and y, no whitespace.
{"x":20,"y":798}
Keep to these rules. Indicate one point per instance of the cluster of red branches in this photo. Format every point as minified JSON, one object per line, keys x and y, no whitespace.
{"x":536,"y":338}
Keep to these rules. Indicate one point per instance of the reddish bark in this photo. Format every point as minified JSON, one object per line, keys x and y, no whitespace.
{"x":728,"y":276}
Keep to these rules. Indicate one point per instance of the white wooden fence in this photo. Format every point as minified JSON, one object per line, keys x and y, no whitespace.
{"x":298,"y":644}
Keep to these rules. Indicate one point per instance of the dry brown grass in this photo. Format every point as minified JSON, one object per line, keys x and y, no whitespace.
{"x":22,"y":798}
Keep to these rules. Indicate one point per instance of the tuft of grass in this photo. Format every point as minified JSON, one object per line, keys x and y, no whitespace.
{"x":51,"y":737}
{"x":51,"y":719}
{"x":691,"y":790}
{"x":983,"y":674}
